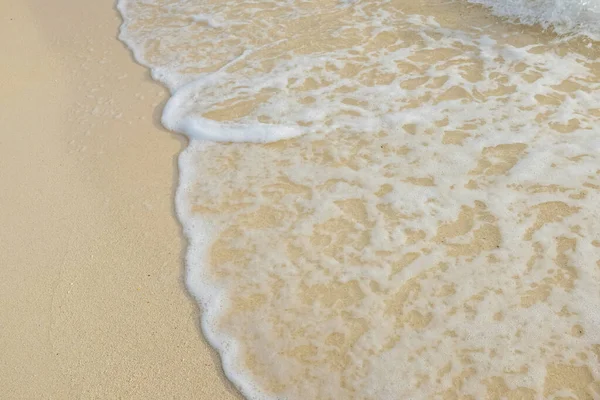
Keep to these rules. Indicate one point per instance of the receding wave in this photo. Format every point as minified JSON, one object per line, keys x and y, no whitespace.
{"x":564,"y":16}
{"x":385,"y":199}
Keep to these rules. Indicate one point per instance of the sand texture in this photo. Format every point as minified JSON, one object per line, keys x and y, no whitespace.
{"x":431,"y":234}
{"x":92,"y":303}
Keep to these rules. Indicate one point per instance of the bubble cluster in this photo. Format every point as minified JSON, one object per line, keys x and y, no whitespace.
{"x":429,"y":227}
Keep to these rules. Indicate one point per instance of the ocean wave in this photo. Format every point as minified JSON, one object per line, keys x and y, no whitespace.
{"x":563,"y":16}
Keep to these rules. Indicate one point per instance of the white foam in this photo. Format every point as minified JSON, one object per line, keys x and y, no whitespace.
{"x":208,"y":19}
{"x":176,"y":118}
{"x":457,"y":126}
{"x":564,"y":16}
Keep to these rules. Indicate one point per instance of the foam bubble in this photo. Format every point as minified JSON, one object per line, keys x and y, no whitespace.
{"x":196,"y":127}
{"x":428,"y":228}
{"x":564,"y":16}
{"x":208,"y":19}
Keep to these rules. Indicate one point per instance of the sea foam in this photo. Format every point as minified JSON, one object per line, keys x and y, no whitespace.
{"x":564,"y":16}
{"x":429,"y":227}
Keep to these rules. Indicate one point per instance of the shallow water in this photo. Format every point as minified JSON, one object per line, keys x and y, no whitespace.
{"x":429,"y":227}
{"x":562,"y":16}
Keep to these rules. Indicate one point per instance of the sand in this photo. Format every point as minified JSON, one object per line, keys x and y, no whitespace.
{"x":92,"y":302}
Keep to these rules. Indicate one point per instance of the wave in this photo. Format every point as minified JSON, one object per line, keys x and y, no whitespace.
{"x":432,"y":230}
{"x":563,"y":16}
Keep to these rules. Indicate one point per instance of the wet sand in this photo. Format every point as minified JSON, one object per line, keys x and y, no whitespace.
{"x":435,"y":219}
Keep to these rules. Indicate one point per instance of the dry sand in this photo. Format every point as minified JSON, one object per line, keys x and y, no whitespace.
{"x":92,"y":303}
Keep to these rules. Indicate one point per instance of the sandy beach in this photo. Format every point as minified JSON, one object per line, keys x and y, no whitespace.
{"x":428,"y":229}
{"x":92,"y":302}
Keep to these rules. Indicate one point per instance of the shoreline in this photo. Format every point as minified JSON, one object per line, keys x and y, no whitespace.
{"x":93,"y":297}
{"x":94,"y":302}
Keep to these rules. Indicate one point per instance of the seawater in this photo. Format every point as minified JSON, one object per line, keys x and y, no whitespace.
{"x":388,"y":199}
